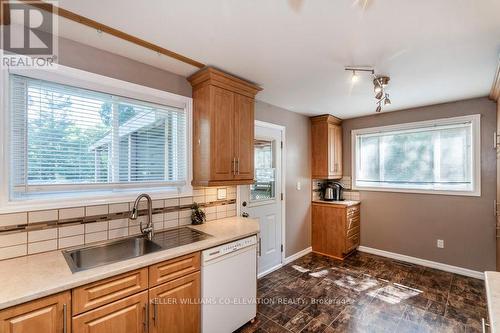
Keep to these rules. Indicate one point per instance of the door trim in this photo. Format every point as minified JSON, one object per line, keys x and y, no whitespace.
{"x":283,"y":183}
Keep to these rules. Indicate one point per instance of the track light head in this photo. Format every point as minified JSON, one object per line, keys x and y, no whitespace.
{"x":387,"y":101}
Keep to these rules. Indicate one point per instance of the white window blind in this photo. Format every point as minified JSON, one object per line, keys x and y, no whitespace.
{"x":430,"y":157}
{"x":65,"y":138}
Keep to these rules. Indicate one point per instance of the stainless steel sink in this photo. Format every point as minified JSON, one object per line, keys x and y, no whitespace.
{"x":93,"y":256}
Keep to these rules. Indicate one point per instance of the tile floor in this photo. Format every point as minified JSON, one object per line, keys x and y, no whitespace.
{"x":366,"y":293}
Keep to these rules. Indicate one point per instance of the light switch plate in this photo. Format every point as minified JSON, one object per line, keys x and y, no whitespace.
{"x":221,"y":193}
{"x":298,"y":186}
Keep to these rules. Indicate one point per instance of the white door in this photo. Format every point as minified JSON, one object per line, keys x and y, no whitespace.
{"x":262,"y":200}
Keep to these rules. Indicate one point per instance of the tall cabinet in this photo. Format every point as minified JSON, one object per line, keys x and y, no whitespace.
{"x":326,"y":138}
{"x":223,"y":128}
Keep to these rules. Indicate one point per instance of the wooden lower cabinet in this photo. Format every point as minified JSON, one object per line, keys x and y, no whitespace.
{"x":335,"y":229}
{"x":128,"y":315}
{"x":175,"y":305}
{"x":48,"y":315}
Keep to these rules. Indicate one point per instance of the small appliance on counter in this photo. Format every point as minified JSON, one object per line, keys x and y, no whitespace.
{"x":332,"y":191}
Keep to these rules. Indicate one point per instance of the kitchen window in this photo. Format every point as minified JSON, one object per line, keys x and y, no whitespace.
{"x":438,"y":157}
{"x":66,"y":140}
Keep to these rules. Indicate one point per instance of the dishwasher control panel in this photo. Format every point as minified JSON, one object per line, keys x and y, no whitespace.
{"x":221,"y":250}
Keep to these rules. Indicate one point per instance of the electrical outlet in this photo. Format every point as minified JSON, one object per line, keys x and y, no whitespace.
{"x":440,"y":244}
{"x":221,"y":194}
{"x":298,"y":186}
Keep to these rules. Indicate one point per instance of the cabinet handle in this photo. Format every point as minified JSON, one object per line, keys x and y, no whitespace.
{"x":484,"y":325}
{"x":233,"y":166}
{"x":155,"y":312}
{"x":260,"y":247}
{"x":65,"y":314}
{"x":238,"y":166}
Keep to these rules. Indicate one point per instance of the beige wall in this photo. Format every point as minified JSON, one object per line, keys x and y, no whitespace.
{"x":298,"y":202}
{"x":76,"y":55}
{"x":410,"y":224}
{"x":298,"y":223}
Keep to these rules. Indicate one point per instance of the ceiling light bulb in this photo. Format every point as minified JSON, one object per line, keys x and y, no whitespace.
{"x":354,"y":77}
{"x":377,"y":89}
{"x":387,"y":101}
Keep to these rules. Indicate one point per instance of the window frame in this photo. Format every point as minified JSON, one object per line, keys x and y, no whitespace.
{"x":475,"y":120}
{"x":87,"y":80}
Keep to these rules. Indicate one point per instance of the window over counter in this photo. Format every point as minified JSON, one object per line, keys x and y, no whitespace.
{"x":70,"y":138}
{"x":437,"y":157}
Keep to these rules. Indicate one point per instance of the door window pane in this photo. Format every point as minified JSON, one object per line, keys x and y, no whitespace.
{"x":265,"y":172}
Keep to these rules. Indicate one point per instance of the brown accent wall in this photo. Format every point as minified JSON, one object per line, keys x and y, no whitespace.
{"x":410,"y":224}
{"x":91,"y":59}
{"x":298,"y":202}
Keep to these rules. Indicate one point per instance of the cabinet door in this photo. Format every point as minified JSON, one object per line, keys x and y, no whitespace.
{"x":328,"y":230}
{"x":128,"y":315}
{"x":244,"y":136}
{"x":175,"y":306}
{"x":49,"y":315}
{"x":334,"y":151}
{"x":222,"y":142}
{"x":320,"y":150}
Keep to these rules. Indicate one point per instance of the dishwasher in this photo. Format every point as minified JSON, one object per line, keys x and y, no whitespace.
{"x":229,"y":286}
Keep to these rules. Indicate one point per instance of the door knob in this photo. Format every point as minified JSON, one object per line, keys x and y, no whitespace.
{"x":244,"y":203}
{"x":245,"y":214}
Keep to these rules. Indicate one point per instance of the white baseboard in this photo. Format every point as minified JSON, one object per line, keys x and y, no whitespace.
{"x":297,"y":255}
{"x":423,"y":262}
{"x":270,"y":270}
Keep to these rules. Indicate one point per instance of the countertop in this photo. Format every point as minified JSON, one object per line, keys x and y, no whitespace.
{"x":31,"y":277}
{"x":492,"y":283}
{"x":346,"y":203}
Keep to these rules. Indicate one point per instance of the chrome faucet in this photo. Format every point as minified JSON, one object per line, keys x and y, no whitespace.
{"x":148,"y":231}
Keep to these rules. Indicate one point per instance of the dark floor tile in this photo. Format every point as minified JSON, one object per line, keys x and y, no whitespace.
{"x":314,"y":326}
{"x":413,"y":314}
{"x":298,"y":322}
{"x":367,"y":293}
{"x":253,"y":327}
{"x":272,"y":327}
{"x":406,"y":326}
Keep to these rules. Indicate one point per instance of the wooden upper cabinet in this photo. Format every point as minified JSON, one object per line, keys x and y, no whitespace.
{"x":223,"y":128}
{"x":49,"y":315}
{"x":326,"y":139}
{"x":244,"y":136}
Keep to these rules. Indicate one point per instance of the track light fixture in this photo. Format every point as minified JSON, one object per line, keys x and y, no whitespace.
{"x":379,"y":84}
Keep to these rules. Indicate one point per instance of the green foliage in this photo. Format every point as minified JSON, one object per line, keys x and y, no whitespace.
{"x":125,"y":112}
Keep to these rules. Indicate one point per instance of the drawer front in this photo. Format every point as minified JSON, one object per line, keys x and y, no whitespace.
{"x":352,"y":222}
{"x":353,"y":231}
{"x":351,"y":243}
{"x":127,"y":315}
{"x":108,"y":290}
{"x":352,"y":211}
{"x":172,"y":269}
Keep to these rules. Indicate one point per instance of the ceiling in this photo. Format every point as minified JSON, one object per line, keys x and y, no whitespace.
{"x":434,"y":50}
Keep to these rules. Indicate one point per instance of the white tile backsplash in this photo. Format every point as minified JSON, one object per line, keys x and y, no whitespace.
{"x":13,"y":239}
{"x":117,"y":233}
{"x":43,"y":216}
{"x":13,"y":251}
{"x":13,"y":219}
{"x":71,"y":213}
{"x":96,"y":226}
{"x":71,"y":230}
{"x":44,"y":246}
{"x":71,"y":241}
{"x":171,"y":202}
{"x":96,"y":237}
{"x":42,"y":235}
{"x":96,"y":210}
{"x":120,"y":223}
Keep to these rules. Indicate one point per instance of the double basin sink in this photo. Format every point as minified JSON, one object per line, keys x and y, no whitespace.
{"x":93,"y":256}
